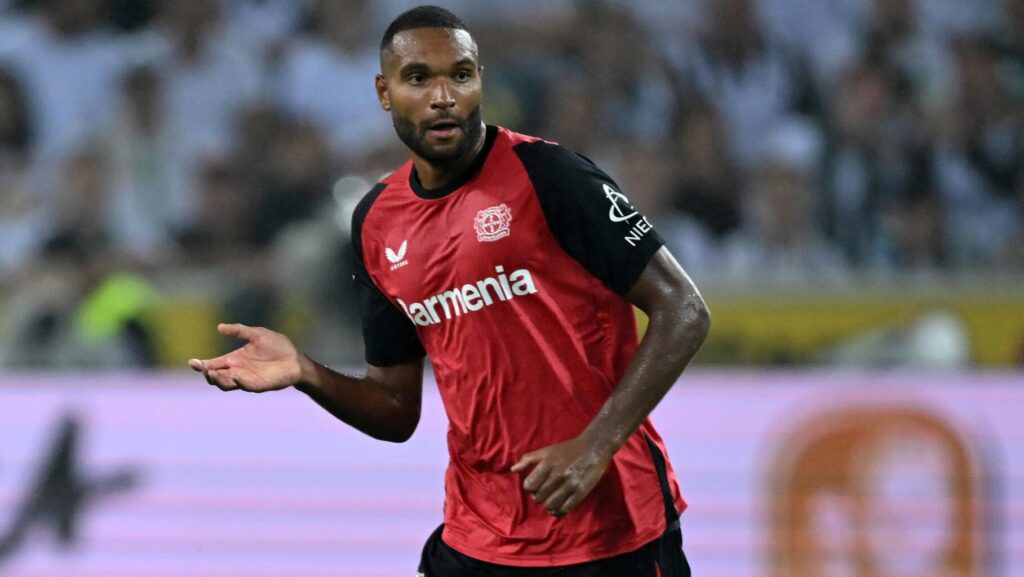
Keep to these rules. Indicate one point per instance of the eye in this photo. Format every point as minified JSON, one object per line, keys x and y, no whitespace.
{"x":415,"y":79}
{"x":463,"y":75}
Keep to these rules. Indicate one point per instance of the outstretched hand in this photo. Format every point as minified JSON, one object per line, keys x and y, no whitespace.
{"x":561,"y":476}
{"x":268,"y":361}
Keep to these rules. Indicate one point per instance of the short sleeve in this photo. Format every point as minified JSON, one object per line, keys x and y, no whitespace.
{"x":388,"y":335}
{"x":590,"y":217}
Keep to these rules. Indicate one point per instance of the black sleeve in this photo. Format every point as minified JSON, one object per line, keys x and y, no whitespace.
{"x":388,"y":335}
{"x":589,"y":216}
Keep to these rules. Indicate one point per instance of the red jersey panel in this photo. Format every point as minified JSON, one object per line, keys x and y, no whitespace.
{"x":511,"y":281}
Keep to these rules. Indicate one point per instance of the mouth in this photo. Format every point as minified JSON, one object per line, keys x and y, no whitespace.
{"x":443,"y":129}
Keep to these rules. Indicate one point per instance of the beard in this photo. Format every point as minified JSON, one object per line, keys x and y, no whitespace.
{"x":415,"y":136}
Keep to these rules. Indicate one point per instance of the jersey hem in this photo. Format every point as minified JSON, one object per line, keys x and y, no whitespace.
{"x":546,"y":560}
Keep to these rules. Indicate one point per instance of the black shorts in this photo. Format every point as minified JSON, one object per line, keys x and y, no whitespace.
{"x":660,"y":558}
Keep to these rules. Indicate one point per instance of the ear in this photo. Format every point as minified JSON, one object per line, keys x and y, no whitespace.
{"x":382,"y":92}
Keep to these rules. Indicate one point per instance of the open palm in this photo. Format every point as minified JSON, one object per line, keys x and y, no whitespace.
{"x":267,"y":362}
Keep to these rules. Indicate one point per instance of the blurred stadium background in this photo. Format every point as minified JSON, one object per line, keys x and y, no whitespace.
{"x":843,"y":179}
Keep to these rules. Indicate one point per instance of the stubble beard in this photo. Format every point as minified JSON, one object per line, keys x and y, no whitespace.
{"x":415,"y":137}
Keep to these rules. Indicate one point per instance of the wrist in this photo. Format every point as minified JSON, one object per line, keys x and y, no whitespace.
{"x":309,"y":373}
{"x":604,"y":441}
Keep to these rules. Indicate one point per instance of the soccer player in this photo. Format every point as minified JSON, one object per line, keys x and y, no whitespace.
{"x":514,"y":264}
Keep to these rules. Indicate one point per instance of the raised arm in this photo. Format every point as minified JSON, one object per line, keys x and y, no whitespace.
{"x":561,"y":475}
{"x":385,"y":403}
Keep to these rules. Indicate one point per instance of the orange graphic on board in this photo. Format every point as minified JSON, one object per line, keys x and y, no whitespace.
{"x":875,"y":492}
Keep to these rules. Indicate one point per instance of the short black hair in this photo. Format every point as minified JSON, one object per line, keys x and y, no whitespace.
{"x":421,"y":17}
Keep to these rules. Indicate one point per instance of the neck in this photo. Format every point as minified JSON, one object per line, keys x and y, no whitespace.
{"x":435,"y":175}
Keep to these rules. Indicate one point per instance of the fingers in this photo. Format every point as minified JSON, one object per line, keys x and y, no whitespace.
{"x":528,"y":460}
{"x":216,"y":372}
{"x":570,"y":503}
{"x":553,"y":483}
{"x":558,"y":491}
{"x":539,"y":483}
{"x":219,"y":371}
{"x":556,"y":503}
{"x":222,"y":379}
{"x":543,"y":486}
{"x":237,"y":331}
{"x":536,"y":478}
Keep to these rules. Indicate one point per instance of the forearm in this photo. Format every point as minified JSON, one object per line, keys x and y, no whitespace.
{"x":368,"y":403}
{"x":674,"y":335}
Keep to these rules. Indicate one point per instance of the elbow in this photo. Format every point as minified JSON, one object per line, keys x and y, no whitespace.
{"x":701,"y":321}
{"x":397,"y":437}
{"x":696,"y":319}
{"x":400,"y":429}
{"x":685,"y":318}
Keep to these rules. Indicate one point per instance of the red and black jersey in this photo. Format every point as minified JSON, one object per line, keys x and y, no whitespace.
{"x":511,"y":279}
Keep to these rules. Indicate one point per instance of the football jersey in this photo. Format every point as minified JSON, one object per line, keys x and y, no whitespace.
{"x":511,"y":279}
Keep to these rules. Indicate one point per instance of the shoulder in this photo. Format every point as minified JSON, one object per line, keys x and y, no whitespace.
{"x":538,"y":154}
{"x":389,"y":184}
{"x":364,"y":209}
{"x":368,"y":200}
{"x":556,"y":169}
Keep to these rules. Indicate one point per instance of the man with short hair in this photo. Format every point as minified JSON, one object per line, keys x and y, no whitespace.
{"x":514,"y":264}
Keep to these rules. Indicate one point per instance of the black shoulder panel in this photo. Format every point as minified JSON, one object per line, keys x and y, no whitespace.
{"x":589,"y":216}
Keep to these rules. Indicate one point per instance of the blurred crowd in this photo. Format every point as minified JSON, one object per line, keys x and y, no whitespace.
{"x":217,"y":147}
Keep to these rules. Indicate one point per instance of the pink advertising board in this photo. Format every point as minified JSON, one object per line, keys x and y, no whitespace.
{"x":787,"y":473}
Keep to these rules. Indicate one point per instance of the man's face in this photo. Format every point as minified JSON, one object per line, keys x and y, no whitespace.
{"x":430,"y":81}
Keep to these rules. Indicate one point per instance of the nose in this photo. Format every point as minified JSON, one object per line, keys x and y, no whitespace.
{"x":442,"y":98}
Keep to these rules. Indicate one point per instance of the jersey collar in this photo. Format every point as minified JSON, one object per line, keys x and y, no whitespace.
{"x":457,"y":182}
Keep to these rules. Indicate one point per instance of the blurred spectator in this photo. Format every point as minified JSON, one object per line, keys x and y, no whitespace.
{"x":1009,"y":42}
{"x":979,"y":155}
{"x":914,"y":228}
{"x":152,"y":197}
{"x":526,"y":14}
{"x":894,"y":36}
{"x":1013,"y":256}
{"x":570,"y":111}
{"x":782,"y":242}
{"x":82,"y":219}
{"x":23,"y":215}
{"x":705,"y":193}
{"x":225,"y":240}
{"x":873,"y":134}
{"x":754,"y":81}
{"x":130,"y":15}
{"x":13,"y":28}
{"x":69,"y":68}
{"x":15,"y":124}
{"x":626,"y":78}
{"x":707,"y":186}
{"x":76,"y":309}
{"x":222,"y":232}
{"x":207,"y":74}
{"x":327,"y":78}
{"x":297,"y":182}
{"x":824,"y":32}
{"x":257,"y":130}
{"x":264,"y":25}
{"x":72,"y":315}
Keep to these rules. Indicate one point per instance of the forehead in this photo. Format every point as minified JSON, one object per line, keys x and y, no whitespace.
{"x":431,"y":46}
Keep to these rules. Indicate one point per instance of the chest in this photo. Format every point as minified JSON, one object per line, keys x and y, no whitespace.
{"x":485,"y":243}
